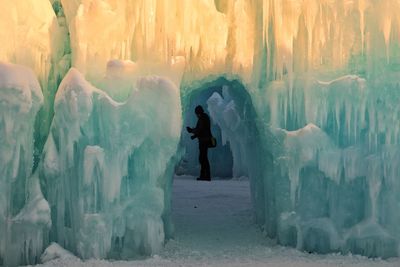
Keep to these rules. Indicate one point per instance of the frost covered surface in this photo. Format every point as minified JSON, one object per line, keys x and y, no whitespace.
{"x":214,"y":227}
{"x":107,"y":167}
{"x":24,"y":213}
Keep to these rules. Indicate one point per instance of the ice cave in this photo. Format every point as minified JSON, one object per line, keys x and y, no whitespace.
{"x":95,"y":96}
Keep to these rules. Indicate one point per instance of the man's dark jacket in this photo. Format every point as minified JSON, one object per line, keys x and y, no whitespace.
{"x":202,"y":130}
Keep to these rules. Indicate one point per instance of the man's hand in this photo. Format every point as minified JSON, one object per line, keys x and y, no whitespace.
{"x":189,"y":129}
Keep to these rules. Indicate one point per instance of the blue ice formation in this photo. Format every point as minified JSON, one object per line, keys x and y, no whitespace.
{"x":107,"y":167}
{"x":24,"y":213}
{"x":323,"y":166}
{"x":335,"y":181}
{"x":102,"y":187}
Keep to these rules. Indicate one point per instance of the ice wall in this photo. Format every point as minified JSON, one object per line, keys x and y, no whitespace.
{"x":159,"y":30}
{"x":258,"y":40}
{"x":32,"y":36}
{"x":107,"y":167}
{"x":28,"y":31}
{"x":336,"y":184}
{"x":24,"y":213}
{"x":223,"y":112}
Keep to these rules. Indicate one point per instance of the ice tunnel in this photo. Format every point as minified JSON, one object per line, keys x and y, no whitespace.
{"x":215,"y":96}
{"x":94,"y":95}
{"x":221,"y":157}
{"x":236,"y":126}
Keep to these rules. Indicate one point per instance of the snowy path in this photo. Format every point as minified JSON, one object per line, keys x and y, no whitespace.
{"x":213,"y":220}
{"x":214,"y":227}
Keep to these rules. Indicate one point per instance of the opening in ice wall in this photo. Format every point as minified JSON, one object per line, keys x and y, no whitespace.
{"x":237,"y":127}
{"x":220,"y":158}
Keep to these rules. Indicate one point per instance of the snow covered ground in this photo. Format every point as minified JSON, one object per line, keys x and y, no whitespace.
{"x":214,"y":227}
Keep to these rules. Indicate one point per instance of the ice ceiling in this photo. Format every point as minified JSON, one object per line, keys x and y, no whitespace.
{"x":91,"y":101}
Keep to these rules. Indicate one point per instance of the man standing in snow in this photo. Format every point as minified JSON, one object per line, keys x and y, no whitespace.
{"x":203,"y":133}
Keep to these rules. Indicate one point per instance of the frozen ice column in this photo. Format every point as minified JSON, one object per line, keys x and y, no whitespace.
{"x":107,"y":165}
{"x":24,"y":214}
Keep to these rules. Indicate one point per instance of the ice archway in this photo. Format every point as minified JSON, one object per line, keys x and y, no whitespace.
{"x":236,"y":126}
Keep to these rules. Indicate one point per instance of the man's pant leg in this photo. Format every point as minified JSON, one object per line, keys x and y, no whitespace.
{"x":204,"y":163}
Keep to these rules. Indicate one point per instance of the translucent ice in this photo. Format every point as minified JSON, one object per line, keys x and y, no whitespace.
{"x":107,"y":165}
{"x":24,"y":213}
{"x":31,"y":36}
{"x":234,"y":113}
{"x":223,"y":112}
{"x":340,"y":174}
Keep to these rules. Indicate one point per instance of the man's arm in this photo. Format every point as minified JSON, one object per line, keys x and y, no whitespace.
{"x":200,"y":126}
{"x":191,"y":130}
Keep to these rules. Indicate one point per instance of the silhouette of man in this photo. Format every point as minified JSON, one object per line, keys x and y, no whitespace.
{"x":203,"y":133}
